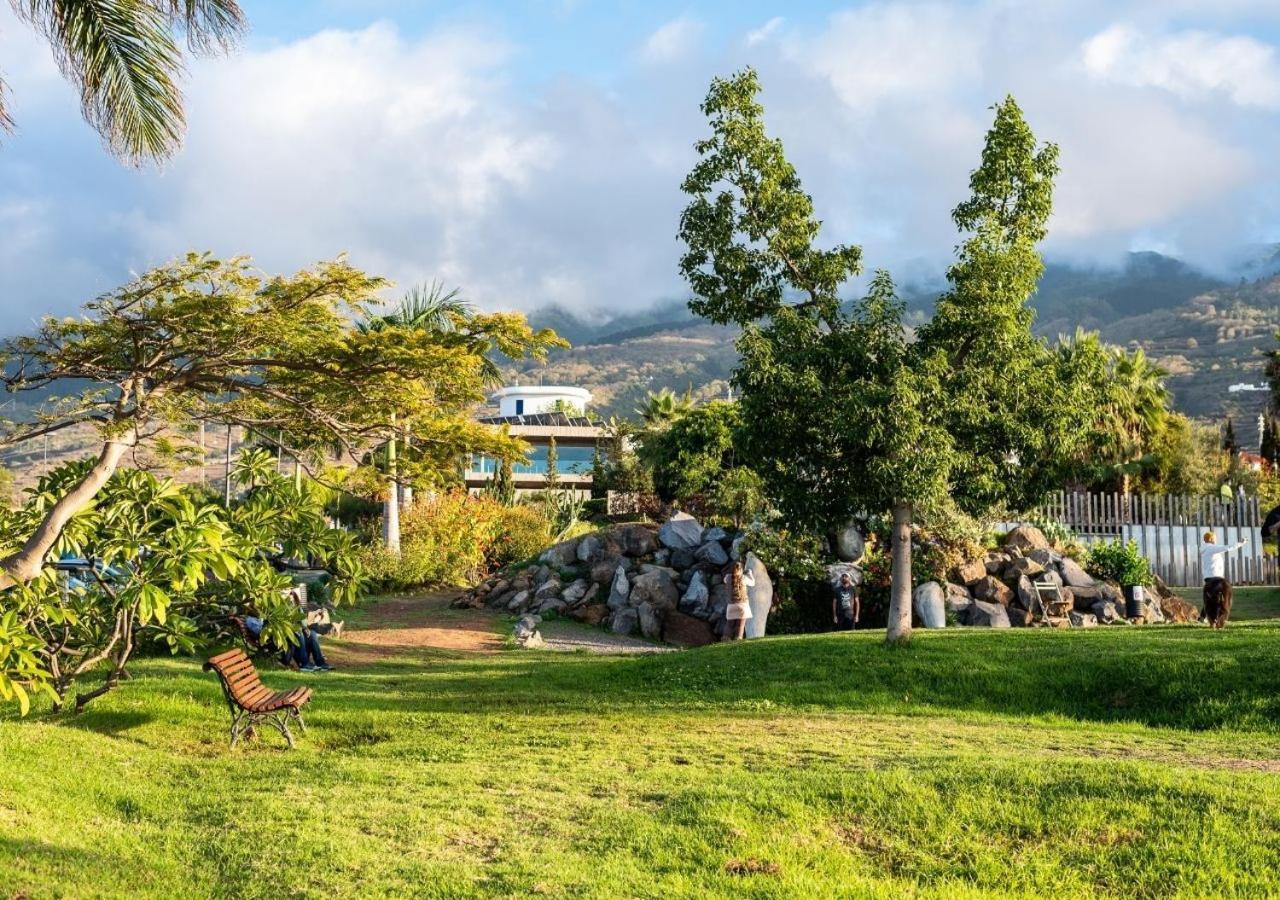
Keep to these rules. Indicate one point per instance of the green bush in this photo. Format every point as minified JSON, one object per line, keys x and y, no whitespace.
{"x":1118,"y":561}
{"x":455,"y":538}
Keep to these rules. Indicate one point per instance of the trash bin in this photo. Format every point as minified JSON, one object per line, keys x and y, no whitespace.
{"x":1135,"y":601}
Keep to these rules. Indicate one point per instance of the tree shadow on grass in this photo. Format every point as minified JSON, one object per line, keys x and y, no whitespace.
{"x":109,"y":722}
{"x":1165,"y":677}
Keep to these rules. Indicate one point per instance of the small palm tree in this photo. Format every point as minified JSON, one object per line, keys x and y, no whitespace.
{"x":123,"y":57}
{"x":663,"y":408}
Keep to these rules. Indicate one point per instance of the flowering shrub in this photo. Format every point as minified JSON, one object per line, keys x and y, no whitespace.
{"x":455,"y":538}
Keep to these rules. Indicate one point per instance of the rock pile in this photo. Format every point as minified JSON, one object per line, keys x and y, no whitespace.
{"x":665,"y":583}
{"x":999,"y":591}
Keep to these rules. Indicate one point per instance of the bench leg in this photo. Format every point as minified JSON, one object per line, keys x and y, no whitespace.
{"x":281,"y":722}
{"x":296,"y":715}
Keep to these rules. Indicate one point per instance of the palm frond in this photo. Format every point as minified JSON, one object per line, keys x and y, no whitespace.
{"x":6,"y":123}
{"x":122,"y":58}
{"x":210,"y":25}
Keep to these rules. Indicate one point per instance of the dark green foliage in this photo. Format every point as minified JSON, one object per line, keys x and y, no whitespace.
{"x":1118,"y":561}
{"x":689,"y":456}
{"x":1229,"y":442}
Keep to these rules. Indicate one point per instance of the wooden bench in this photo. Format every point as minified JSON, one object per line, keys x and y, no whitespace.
{"x":251,"y":702}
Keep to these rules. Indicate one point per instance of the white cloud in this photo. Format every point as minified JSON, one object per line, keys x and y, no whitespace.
{"x":1191,"y":64}
{"x":764,"y":32}
{"x":674,"y":40}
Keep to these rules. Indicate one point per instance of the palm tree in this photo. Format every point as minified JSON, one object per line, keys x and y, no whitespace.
{"x":444,"y":312}
{"x":663,"y":408}
{"x":123,"y":57}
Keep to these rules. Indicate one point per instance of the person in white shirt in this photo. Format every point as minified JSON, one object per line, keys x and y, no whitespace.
{"x":1217,"y":589}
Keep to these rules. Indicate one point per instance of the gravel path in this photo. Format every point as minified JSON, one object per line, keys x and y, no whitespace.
{"x":566,"y":636}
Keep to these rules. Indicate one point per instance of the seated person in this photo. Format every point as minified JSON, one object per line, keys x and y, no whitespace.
{"x":307,"y":653}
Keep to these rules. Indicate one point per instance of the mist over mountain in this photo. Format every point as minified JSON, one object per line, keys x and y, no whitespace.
{"x":1208,"y":331}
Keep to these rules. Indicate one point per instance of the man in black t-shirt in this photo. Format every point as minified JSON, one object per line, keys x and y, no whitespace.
{"x":845,"y":604}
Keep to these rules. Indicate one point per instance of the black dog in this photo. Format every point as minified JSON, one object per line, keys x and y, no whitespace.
{"x":1217,"y":601}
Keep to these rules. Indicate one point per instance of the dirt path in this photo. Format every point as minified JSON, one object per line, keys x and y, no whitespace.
{"x":426,"y":622}
{"x":418,"y":622}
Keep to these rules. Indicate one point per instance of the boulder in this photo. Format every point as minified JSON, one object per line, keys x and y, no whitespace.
{"x":650,"y":621}
{"x":1106,"y":613}
{"x":662,"y":557}
{"x":619,"y":589}
{"x":719,"y":600}
{"x":1019,"y":617}
{"x":849,"y":543}
{"x":1046,"y":558}
{"x":835,"y":570}
{"x":520,"y":583}
{"x":1060,"y":608}
{"x":712,"y":554}
{"x":970,"y":573}
{"x":1079,"y":619}
{"x":680,"y":559}
{"x":992,"y":590}
{"x":681,"y":532}
{"x":714,"y":533}
{"x":593,"y":591}
{"x":1153,"y":613}
{"x":1084,"y":597}
{"x":625,"y":621}
{"x":519,"y":602}
{"x":1026,"y":538}
{"x":1073,"y":574}
{"x":759,"y":596}
{"x":548,"y":588}
{"x":562,"y":554}
{"x":552,"y":605}
{"x":1025,"y":593}
{"x":1109,"y":591}
{"x":540,"y":575}
{"x":1024,"y":566}
{"x":526,"y":633}
{"x":602,"y":571}
{"x":987,"y":615}
{"x":696,"y":600}
{"x":735,"y":548}
{"x":655,"y":587}
{"x":634,"y":540}
{"x":590,"y":613}
{"x":590,"y":548}
{"x":929,"y":602}
{"x":958,"y":600}
{"x":685,"y":630}
{"x":1174,"y":609}
{"x":574,"y":593}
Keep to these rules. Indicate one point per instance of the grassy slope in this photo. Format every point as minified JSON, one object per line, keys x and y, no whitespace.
{"x":971,"y":763}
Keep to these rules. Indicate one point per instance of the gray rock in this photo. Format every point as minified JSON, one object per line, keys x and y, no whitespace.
{"x":655,"y":587}
{"x":590,"y":548}
{"x":1050,"y":576}
{"x":835,"y":570}
{"x":619,"y":589}
{"x":1111,"y":592}
{"x":958,"y":600}
{"x":525,"y":627}
{"x":1025,"y":593}
{"x":625,"y":621}
{"x":662,"y":557}
{"x":1106,"y":613}
{"x":1079,"y":619}
{"x":1026,"y":538}
{"x":680,"y":559}
{"x":1073,"y":575}
{"x":712,"y":553}
{"x":719,"y":600}
{"x":1046,"y":558}
{"x":714,"y":533}
{"x":646,"y":568}
{"x":549,"y":588}
{"x":541,"y":574}
{"x":552,"y":605}
{"x":574,"y":593}
{"x":735,"y":548}
{"x":697,"y":597}
{"x":1083,"y":598}
{"x":562,"y":554}
{"x":590,"y":596}
{"x":519,"y":601}
{"x":633,"y":540}
{"x":987,"y":615}
{"x":759,"y":596}
{"x":849,"y":543}
{"x":650,"y":621}
{"x":929,"y":601}
{"x":602,"y":571}
{"x":681,"y":532}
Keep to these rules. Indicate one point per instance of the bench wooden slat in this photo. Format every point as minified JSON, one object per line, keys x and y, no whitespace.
{"x":226,"y":657}
{"x":250,"y":700}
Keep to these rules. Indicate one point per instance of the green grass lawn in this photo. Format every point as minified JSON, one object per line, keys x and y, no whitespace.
{"x":1129,"y":762}
{"x":1248,"y":604}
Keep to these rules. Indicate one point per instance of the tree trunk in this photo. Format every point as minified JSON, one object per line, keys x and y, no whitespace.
{"x":391,"y":508}
{"x":406,"y":489}
{"x":27,"y":563}
{"x":899,"y":630}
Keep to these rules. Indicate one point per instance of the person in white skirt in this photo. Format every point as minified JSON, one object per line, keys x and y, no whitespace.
{"x":739,"y":609}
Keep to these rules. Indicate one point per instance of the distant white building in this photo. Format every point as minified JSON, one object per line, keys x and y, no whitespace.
{"x":528,"y":400}
{"x":538,"y":413}
{"x":1246,"y":386}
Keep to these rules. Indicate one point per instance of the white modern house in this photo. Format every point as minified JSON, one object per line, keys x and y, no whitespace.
{"x":538,"y":413}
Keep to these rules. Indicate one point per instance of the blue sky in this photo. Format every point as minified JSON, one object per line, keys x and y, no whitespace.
{"x":531,"y":151}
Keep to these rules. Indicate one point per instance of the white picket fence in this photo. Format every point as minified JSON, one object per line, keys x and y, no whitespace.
{"x":1169,"y":530}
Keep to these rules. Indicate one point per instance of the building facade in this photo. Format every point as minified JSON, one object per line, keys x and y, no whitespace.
{"x":537,"y":414}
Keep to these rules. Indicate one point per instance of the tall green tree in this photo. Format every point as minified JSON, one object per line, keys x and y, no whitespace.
{"x":841,"y":413}
{"x":123,"y":58}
